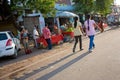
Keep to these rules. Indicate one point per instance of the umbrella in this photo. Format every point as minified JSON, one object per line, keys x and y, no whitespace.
{"x":66,"y":14}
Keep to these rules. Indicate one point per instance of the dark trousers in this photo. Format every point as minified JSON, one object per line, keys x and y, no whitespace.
{"x":78,"y":38}
{"x":49,"y":43}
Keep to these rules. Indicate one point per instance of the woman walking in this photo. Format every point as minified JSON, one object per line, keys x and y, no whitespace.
{"x":90,"y":31}
{"x":77,"y":33}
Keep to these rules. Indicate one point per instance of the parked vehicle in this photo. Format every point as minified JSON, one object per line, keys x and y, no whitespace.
{"x":9,"y":45}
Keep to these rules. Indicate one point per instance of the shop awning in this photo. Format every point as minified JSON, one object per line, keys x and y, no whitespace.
{"x":66,"y":14}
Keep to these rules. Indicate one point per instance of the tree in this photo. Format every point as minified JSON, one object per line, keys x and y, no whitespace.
{"x":84,"y":6}
{"x":103,"y":7}
{"x":4,"y":9}
{"x":44,"y":6}
{"x":93,"y":6}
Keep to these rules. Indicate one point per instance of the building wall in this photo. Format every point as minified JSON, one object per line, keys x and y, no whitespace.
{"x":8,"y":27}
{"x":30,"y":22}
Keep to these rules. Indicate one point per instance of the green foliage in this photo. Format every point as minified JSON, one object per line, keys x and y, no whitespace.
{"x":84,"y":6}
{"x":103,"y":7}
{"x":93,"y":6}
{"x":44,"y":6}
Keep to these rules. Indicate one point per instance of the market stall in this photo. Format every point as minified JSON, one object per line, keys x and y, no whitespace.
{"x":65,"y":20}
{"x":67,"y":32}
{"x":66,"y":14}
{"x":54,"y":25}
{"x":56,"y":39}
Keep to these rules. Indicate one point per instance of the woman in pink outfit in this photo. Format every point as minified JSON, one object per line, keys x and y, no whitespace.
{"x":90,"y":31}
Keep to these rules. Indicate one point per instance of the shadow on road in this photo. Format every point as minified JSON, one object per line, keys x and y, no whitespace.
{"x":21,"y":56}
{"x":61,"y":68}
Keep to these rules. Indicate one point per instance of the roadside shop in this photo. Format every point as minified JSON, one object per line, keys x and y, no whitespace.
{"x":65,"y":20}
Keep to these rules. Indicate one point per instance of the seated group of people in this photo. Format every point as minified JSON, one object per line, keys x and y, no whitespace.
{"x":67,"y":31}
{"x":66,"y":28}
{"x":63,"y":28}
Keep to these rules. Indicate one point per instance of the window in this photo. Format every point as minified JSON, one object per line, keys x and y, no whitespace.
{"x":11,"y":34}
{"x":3,"y":36}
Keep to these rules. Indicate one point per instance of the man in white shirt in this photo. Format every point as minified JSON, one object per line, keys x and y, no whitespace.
{"x":35,"y":36}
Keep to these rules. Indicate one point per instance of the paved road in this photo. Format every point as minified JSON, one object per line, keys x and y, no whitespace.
{"x":22,"y":56}
{"x":102,"y":64}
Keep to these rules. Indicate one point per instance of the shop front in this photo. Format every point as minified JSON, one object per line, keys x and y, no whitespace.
{"x":60,"y":27}
{"x":56,"y":36}
{"x":65,"y":23}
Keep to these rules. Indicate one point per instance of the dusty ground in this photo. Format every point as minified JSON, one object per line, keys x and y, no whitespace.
{"x":18,"y":69}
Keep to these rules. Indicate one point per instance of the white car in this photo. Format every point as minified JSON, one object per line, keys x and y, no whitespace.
{"x":9,"y":45}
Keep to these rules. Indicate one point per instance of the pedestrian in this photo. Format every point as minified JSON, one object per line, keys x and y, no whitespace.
{"x":24,"y":38}
{"x":47,"y":36}
{"x":77,"y":33}
{"x":35,"y":36}
{"x":89,"y":26}
{"x":100,"y":24}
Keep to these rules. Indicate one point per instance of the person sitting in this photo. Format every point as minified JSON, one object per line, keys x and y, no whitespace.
{"x":56,"y":30}
{"x":63,"y":28}
{"x":70,"y":28}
